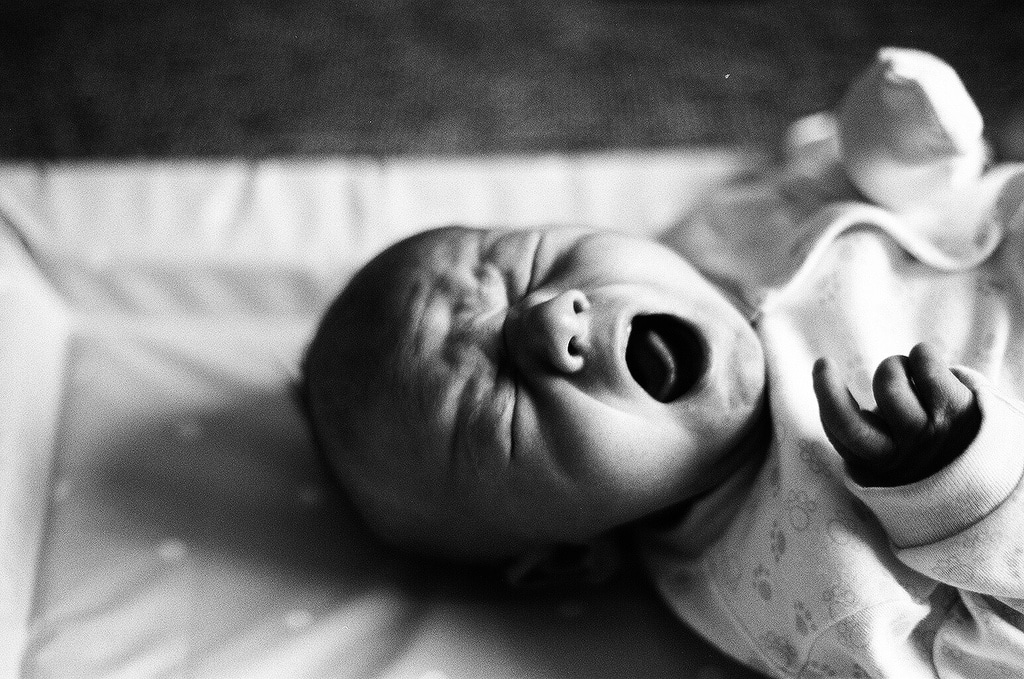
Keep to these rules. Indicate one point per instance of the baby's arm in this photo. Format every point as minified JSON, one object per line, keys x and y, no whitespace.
{"x":956,"y":444}
{"x":926,"y":417}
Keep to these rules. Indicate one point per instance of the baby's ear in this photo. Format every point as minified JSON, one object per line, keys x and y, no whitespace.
{"x":565,"y":565}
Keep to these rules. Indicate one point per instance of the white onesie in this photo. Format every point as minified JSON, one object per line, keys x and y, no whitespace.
{"x":791,"y":567}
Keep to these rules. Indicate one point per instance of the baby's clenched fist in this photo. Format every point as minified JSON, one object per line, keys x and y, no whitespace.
{"x":925,"y":418}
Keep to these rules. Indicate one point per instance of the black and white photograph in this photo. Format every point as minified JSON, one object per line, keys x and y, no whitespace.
{"x":502,"y":339}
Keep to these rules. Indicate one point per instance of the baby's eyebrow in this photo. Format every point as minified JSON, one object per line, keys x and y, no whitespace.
{"x":480,"y":425}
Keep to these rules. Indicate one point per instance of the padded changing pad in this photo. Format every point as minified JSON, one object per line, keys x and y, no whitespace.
{"x":162,"y":511}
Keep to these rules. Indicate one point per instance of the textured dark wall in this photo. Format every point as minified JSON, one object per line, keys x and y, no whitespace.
{"x":159,"y":78}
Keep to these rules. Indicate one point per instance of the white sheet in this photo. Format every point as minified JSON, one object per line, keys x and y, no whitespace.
{"x":162,"y":513}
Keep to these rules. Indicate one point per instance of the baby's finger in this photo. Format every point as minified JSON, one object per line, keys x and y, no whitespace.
{"x":849,"y":428}
{"x":898,"y":404}
{"x":940,"y":392}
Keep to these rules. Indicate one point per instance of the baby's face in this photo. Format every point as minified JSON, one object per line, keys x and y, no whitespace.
{"x":574,"y":380}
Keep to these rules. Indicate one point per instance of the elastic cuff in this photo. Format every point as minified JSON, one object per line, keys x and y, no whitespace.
{"x":966,"y":490}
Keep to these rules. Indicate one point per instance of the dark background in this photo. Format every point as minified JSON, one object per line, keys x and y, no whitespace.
{"x":257,"y":78}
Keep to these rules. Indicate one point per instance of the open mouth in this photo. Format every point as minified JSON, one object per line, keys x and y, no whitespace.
{"x":665,"y":355}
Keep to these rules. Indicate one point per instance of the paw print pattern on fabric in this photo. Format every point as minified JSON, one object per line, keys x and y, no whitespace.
{"x":801,"y":509}
{"x":853,"y":528}
{"x":841,"y":600}
{"x":976,"y":551}
{"x":777,"y":541}
{"x":853,"y":633}
{"x":780,"y":649}
{"x":839,"y":530}
{"x":811,"y":455}
{"x":816,"y":669}
{"x":761,"y":582}
{"x":727,"y":569}
{"x":803,"y":619}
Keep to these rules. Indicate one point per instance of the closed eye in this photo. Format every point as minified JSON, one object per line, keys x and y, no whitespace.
{"x":483,"y":427}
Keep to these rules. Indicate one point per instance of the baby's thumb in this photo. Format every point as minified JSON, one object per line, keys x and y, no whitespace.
{"x":858,"y":436}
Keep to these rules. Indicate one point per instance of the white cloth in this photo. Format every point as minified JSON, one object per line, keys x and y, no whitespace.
{"x":791,"y":567}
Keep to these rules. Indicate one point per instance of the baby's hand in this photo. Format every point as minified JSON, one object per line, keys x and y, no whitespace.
{"x":925,"y":418}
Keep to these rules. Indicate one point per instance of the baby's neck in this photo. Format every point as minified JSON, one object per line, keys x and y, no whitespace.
{"x":752,"y":449}
{"x":748,"y":454}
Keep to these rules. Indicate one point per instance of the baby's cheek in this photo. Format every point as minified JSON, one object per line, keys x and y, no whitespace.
{"x":740,"y":377}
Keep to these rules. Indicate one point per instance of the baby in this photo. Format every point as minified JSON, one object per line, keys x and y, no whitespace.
{"x":495,"y":394}
{"x":530,"y":387}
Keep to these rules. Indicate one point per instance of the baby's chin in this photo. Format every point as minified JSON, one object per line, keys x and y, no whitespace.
{"x":747,"y":373}
{"x":731,"y":400}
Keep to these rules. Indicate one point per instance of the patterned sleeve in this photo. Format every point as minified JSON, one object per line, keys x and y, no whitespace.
{"x":964,"y":527}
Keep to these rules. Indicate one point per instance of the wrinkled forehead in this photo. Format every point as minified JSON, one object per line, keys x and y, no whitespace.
{"x":388,"y":308}
{"x":434,"y":253}
{"x":451,"y":288}
{"x":450,"y":266}
{"x":365,"y":326}
{"x":401,"y":280}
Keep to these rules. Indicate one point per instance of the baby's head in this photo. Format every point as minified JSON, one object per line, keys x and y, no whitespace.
{"x":484,"y":392}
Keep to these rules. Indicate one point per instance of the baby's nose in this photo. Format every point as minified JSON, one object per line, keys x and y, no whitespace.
{"x":557,"y":330}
